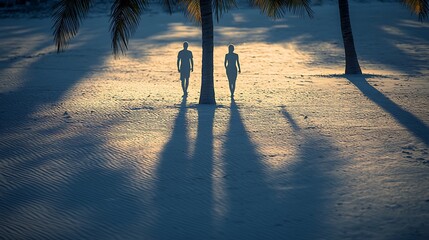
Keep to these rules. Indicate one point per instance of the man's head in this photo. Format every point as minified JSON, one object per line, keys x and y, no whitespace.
{"x":185,"y":45}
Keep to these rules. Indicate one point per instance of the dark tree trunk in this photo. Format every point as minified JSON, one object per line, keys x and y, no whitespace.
{"x":352,"y":63}
{"x":207,"y":94}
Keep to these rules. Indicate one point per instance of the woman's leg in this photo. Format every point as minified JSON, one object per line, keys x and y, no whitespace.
{"x":232,"y":86}
{"x":232,"y":77}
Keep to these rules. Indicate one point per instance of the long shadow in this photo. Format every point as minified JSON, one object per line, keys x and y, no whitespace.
{"x":250,"y":201}
{"x":311,"y":200}
{"x":201,"y":172}
{"x":183,"y":187}
{"x":271,"y":205}
{"x":413,"y":124}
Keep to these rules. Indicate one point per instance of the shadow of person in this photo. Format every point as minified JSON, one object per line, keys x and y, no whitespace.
{"x":262,"y":203}
{"x":251,"y":204}
{"x":231,"y":63}
{"x":413,"y":124}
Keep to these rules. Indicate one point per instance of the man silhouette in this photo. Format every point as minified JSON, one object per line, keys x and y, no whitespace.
{"x":185,"y":65}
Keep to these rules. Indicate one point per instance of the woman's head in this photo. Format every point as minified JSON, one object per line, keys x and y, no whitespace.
{"x":231,"y":48}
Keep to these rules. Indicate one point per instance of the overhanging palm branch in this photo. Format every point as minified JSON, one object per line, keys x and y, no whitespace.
{"x":125,"y":17}
{"x":278,"y":8}
{"x":67,"y":16}
{"x":419,"y":7}
{"x":192,"y":8}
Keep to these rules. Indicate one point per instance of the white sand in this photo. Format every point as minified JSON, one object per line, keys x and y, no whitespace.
{"x":97,"y":148}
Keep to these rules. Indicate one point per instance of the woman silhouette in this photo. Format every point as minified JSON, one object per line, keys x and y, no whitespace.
{"x":231,"y":63}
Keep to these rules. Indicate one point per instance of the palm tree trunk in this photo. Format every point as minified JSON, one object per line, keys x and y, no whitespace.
{"x":207,"y":94}
{"x":352,"y":63}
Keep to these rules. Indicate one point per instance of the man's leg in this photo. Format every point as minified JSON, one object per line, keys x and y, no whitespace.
{"x":186,"y":86}
{"x":183,"y":84}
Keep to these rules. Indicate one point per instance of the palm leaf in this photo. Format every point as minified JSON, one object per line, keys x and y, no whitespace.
{"x":278,"y":8}
{"x":67,"y":16}
{"x":419,"y":7}
{"x":125,"y":17}
{"x":192,"y":8}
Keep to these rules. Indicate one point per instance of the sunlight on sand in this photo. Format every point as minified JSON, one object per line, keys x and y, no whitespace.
{"x":178,"y":31}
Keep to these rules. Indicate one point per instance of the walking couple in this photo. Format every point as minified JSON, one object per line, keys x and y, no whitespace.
{"x":185,"y":65}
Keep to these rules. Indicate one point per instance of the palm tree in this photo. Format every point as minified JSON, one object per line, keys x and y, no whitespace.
{"x":419,"y":7}
{"x":277,"y":8}
{"x":207,"y":94}
{"x":352,"y":63}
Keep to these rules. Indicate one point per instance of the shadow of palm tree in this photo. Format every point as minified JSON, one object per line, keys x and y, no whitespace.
{"x":183,"y":187}
{"x":413,"y":124}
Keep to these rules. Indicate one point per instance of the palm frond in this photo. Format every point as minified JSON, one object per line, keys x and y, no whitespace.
{"x":221,"y":6}
{"x":67,"y":16}
{"x":419,"y":7}
{"x":125,"y":17}
{"x":278,"y":8}
{"x":191,"y":9}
